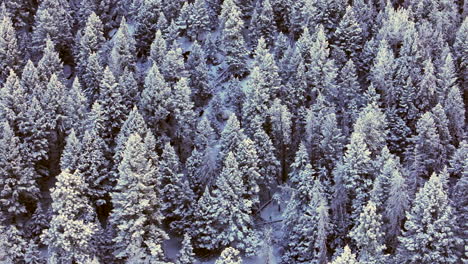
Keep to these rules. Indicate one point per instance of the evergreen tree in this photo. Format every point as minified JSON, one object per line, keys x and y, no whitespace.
{"x":182,"y":111}
{"x":426,"y":90}
{"x":357,"y":173}
{"x":176,"y":195}
{"x":158,"y":48}
{"x":73,"y":226}
{"x":90,"y":42}
{"x":429,"y":154}
{"x":455,"y":110}
{"x":262,"y":25}
{"x":231,"y":137}
{"x":301,"y":160}
{"x":9,"y":50}
{"x":368,"y":235}
{"x":146,"y":23}
{"x":186,"y":255}
{"x":351,"y":99}
{"x":229,"y":256}
{"x":199,"y":20}
{"x":123,"y":53}
{"x":428,"y":234}
{"x":382,"y":71}
{"x":92,"y":77}
{"x":372,"y":124}
{"x":233,"y":41}
{"x":137,"y":204}
{"x":19,"y":189}
{"x":53,"y":20}
{"x":75,"y":108}
{"x":347,"y":257}
{"x":247,"y":159}
{"x":280,"y":120}
{"x":348,"y":36}
{"x":71,"y":153}
{"x":49,"y":63}
{"x":12,"y":245}
{"x":13,"y":101}
{"x":269,"y":165}
{"x":30,"y":79}
{"x":173,"y":67}
{"x":198,"y":72}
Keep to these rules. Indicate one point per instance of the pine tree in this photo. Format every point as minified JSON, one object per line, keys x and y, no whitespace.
{"x":247,"y":159}
{"x":91,"y":42}
{"x":13,"y":101}
{"x":73,"y":226}
{"x":269,"y":165}
{"x":428,"y":234}
{"x":348,"y":35}
{"x":93,"y":165}
{"x":92,"y":77}
{"x":182,"y":111}
{"x":158,"y":48}
{"x":30,"y":79}
{"x":123,"y":53}
{"x":154,"y":102}
{"x":426,"y":90}
{"x":49,"y":63}
{"x":372,"y":124}
{"x":347,"y":257}
{"x":228,"y":189}
{"x":176,"y":195}
{"x":301,"y":159}
{"x":19,"y":189}
{"x":113,"y":103}
{"x":322,"y":72}
{"x":455,"y":110}
{"x":263,"y":24}
{"x":12,"y":245}
{"x":173,"y":67}
{"x":357,"y":173}
{"x":129,"y":88}
{"x":351,"y":100}
{"x":281,"y":123}
{"x":429,"y":154}
{"x":9,"y":51}
{"x":137,"y":204}
{"x":186,"y":255}
{"x":146,"y":23}
{"x":198,"y":72}
{"x":53,"y":20}
{"x":75,"y":108}
{"x":199,"y":20}
{"x":229,"y":256}
{"x":70,"y":155}
{"x":268,"y":70}
{"x":368,"y":235}
{"x":233,"y":42}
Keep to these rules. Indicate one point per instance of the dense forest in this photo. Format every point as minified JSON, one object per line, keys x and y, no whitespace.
{"x":235,"y":131}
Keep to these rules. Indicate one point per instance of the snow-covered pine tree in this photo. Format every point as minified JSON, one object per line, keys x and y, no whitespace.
{"x":123,"y":53}
{"x":92,"y":77}
{"x":137,"y":204}
{"x":346,"y":257}
{"x":75,"y":108}
{"x":348,"y":36}
{"x":233,"y":44}
{"x":49,"y":64}
{"x":247,"y":159}
{"x":199,"y":20}
{"x":146,"y":23}
{"x":428,"y":234}
{"x":19,"y":189}
{"x":176,"y":195}
{"x":371,"y":123}
{"x":382,"y":72}
{"x":173,"y":67}
{"x":269,"y":165}
{"x":198,"y":73}
{"x":73,"y":227}
{"x":182,"y":112}
{"x":455,"y":111}
{"x":53,"y":19}
{"x":158,"y":48}
{"x":186,"y":255}
{"x":90,"y":42}
{"x":231,"y":136}
{"x":281,"y":130}
{"x":9,"y":50}
{"x":351,"y":99}
{"x":229,"y":255}
{"x":426,"y":96}
{"x":12,"y":245}
{"x":368,"y":235}
{"x":301,"y":159}
{"x":71,"y":153}
{"x":262,"y":25}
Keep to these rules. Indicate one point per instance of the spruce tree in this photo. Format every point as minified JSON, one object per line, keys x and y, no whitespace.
{"x":428,"y":234}
{"x":91,"y":41}
{"x":9,"y":50}
{"x":92,"y":77}
{"x":173,"y":67}
{"x":348,"y":36}
{"x":186,"y":255}
{"x":123,"y":53}
{"x":75,"y":108}
{"x":233,"y":41}
{"x":49,"y":64}
{"x":137,"y":204}
{"x":199,"y":20}
{"x":455,"y":110}
{"x":247,"y":158}
{"x":19,"y":189}
{"x":347,"y":257}
{"x":70,"y":155}
{"x":351,"y":100}
{"x":263,"y":24}
{"x":372,"y":124}
{"x":368,"y":235}
{"x":198,"y":72}
{"x":182,"y":111}
{"x":158,"y":48}
{"x":73,"y":226}
{"x":229,"y":256}
{"x":146,"y":22}
{"x":231,"y":136}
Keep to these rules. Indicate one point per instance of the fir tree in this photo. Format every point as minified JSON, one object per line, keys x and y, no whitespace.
{"x":247,"y":158}
{"x":263,"y":24}
{"x":176,"y":195}
{"x":428,"y":234}
{"x":186,"y":255}
{"x":73,"y":226}
{"x":301,"y":160}
{"x":30,"y":79}
{"x":382,"y":70}
{"x":19,"y":188}
{"x":49,"y":63}
{"x":269,"y":165}
{"x":158,"y":48}
{"x":368,"y":235}
{"x":199,"y":20}
{"x":146,"y":22}
{"x":137,"y":204}
{"x":182,"y":111}
{"x":12,"y":245}
{"x":229,"y":256}
{"x":348,"y":35}
{"x":9,"y":51}
{"x":122,"y":54}
{"x":426,"y":93}
{"x":233,"y":40}
{"x":70,"y":155}
{"x":351,"y":100}
{"x":231,"y":136}
{"x":173,"y":67}
{"x":347,"y":257}
{"x":455,"y":110}
{"x":372,"y":124}
{"x":91,"y":41}
{"x":92,"y":77}
{"x":198,"y":72}
{"x":75,"y":108}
